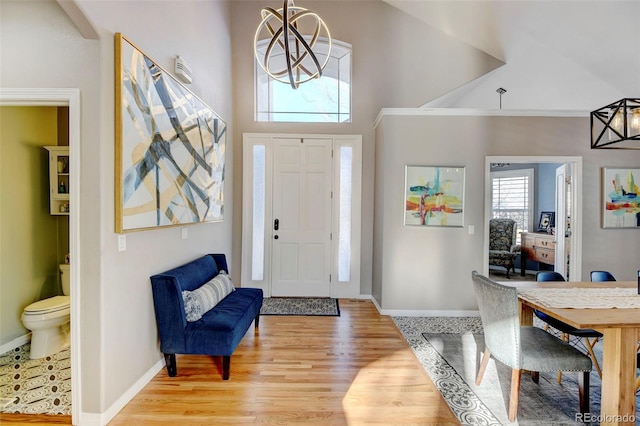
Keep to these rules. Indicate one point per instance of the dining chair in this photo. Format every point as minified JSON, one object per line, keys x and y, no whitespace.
{"x":567,"y":330}
{"x":602,"y":276}
{"x":522,"y":347}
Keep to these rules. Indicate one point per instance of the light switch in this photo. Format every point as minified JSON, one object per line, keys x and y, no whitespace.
{"x":184,"y":233}
{"x":472,"y":229}
{"x":122,"y":242}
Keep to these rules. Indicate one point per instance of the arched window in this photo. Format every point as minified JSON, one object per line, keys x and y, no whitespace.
{"x":323,"y":100}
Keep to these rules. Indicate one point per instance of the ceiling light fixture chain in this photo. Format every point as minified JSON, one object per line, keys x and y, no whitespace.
{"x":501,"y":91}
{"x":283,"y":26}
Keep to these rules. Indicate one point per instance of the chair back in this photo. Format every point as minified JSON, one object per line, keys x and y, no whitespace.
{"x":549,"y":276}
{"x":602,"y":276}
{"x":502,"y":234}
{"x":498,"y":305}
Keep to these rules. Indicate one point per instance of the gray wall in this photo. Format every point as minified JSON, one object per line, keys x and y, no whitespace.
{"x":396,"y":61}
{"x":429,"y":268}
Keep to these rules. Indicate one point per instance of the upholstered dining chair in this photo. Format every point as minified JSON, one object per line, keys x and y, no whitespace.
{"x":567,"y":330}
{"x":602,"y":276}
{"x":502,"y":243}
{"x":522,"y":347}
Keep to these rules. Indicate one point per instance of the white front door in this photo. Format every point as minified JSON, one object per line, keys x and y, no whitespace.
{"x":301,"y":227}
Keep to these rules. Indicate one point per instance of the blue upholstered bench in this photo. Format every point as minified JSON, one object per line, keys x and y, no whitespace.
{"x":219,"y":331}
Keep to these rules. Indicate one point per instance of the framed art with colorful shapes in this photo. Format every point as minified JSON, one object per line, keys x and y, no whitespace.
{"x":620,"y":197}
{"x":434,"y":196}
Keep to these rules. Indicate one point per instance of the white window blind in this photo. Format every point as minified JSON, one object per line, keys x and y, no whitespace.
{"x":512,"y":197}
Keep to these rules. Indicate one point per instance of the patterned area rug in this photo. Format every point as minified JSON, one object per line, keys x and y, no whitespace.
{"x":35,"y":386}
{"x":303,"y":306}
{"x":448,"y":350}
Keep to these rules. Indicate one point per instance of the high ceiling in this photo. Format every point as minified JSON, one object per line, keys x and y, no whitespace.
{"x":597,"y":42}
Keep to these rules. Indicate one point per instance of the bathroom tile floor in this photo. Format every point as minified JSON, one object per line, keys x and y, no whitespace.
{"x":35,"y":386}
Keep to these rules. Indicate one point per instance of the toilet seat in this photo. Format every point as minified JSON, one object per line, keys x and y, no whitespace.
{"x":48,"y":306}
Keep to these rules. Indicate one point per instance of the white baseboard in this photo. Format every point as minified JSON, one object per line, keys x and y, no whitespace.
{"x":88,"y":419}
{"x":428,"y":313}
{"x":17,"y":342}
{"x":422,"y":313}
{"x":91,"y":419}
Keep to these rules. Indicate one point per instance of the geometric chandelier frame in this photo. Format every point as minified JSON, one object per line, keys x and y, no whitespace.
{"x":617,"y":125}
{"x":285,"y":28}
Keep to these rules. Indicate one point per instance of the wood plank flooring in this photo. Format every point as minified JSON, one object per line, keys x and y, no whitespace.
{"x":349,"y":370}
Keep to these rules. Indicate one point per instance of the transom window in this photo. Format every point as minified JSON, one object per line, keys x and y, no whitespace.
{"x":323,"y":100}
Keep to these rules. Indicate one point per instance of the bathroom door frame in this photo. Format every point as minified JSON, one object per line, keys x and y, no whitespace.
{"x":28,"y":97}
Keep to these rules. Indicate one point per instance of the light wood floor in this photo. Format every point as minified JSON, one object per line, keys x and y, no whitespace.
{"x":349,"y":370}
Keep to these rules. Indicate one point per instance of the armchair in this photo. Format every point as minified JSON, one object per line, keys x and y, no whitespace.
{"x":502,"y":243}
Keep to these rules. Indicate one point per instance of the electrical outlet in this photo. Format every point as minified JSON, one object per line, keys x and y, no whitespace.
{"x":472,"y":229}
{"x":122,"y":242}
{"x":184,"y":233}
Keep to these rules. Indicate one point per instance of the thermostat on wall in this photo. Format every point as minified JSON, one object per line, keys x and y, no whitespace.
{"x":182,"y":70}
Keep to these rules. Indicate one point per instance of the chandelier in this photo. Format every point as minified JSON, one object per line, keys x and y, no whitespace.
{"x":616,"y":124}
{"x":289,"y":56}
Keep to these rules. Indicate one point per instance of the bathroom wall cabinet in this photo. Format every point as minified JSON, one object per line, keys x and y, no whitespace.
{"x":58,"y":179}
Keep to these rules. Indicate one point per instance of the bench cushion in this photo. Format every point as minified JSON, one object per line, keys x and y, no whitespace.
{"x":201,"y":300}
{"x":220,"y":330}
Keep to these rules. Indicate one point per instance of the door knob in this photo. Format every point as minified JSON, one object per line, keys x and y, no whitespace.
{"x":275,"y":237}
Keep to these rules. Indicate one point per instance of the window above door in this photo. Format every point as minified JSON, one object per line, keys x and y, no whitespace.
{"x":323,"y":100}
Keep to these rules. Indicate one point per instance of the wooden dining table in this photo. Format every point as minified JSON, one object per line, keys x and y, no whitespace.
{"x":621,"y":330}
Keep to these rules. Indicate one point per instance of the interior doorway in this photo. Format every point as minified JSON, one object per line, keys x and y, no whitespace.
{"x":71,"y":99}
{"x":563,"y":202}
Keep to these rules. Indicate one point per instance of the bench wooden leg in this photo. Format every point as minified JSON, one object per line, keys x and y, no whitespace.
{"x":226,"y":363}
{"x":172,"y":367}
{"x":257,"y":320}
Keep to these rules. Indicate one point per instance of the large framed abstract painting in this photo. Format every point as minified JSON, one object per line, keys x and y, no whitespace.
{"x":170,"y":147}
{"x":620,"y":198}
{"x":434,"y":196}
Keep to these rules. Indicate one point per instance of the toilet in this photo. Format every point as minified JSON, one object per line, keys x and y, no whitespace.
{"x":48,"y":320}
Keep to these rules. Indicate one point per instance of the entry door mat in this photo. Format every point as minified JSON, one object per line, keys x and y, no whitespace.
{"x":301,"y":306}
{"x":35,"y":386}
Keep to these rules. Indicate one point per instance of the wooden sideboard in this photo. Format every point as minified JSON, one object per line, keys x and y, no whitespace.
{"x":537,"y":247}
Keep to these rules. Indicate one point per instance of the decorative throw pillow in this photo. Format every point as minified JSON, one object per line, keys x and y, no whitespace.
{"x":201,"y":300}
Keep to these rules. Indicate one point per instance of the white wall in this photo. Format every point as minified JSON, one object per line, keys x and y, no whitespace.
{"x":428,"y":269}
{"x":397,"y":61}
{"x":118,"y":331}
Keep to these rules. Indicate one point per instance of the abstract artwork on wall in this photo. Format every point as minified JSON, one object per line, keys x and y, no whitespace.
{"x":620,"y":198}
{"x":170,"y":147}
{"x":434,"y":196}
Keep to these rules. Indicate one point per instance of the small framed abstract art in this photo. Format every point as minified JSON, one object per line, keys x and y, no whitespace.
{"x":547,"y":221}
{"x":620,"y":197}
{"x":170,"y":147}
{"x":434,"y":196}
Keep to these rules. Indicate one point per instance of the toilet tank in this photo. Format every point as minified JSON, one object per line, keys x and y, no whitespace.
{"x":65,"y":275}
